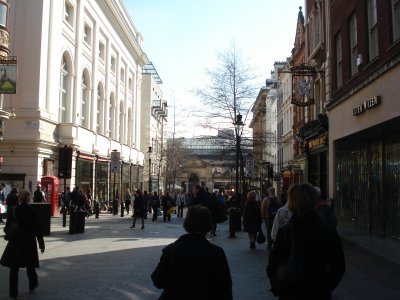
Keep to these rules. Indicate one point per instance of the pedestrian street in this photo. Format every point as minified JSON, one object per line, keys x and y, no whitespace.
{"x":112,"y":261}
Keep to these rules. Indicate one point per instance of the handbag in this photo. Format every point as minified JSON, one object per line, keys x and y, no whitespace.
{"x":261,"y":237}
{"x":14,"y":231}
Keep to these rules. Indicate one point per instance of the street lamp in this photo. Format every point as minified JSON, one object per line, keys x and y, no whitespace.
{"x":238,"y":126}
{"x":150,"y":183}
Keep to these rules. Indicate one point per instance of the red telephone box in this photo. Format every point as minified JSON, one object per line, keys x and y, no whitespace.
{"x":50,"y":187}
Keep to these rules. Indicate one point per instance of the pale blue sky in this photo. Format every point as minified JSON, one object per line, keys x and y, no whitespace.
{"x":182,"y":38}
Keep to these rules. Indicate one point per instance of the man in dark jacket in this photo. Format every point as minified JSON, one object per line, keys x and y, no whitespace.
{"x":38,"y":195}
{"x":21,"y":250}
{"x":201,"y":267}
{"x":200,"y":196}
{"x":307,"y":260}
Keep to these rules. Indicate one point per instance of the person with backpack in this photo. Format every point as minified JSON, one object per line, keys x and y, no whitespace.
{"x":269,"y":208}
{"x":307,"y":259}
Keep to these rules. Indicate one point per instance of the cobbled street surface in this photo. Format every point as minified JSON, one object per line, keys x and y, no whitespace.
{"x":112,"y":261}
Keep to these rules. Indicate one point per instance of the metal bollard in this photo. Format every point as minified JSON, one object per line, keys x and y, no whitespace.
{"x":232,"y":223}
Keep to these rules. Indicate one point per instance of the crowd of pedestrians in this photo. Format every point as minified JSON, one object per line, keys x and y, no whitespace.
{"x":305,"y":255}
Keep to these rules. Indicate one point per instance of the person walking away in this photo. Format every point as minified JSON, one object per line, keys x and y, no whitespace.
{"x":38,"y":195}
{"x":201,"y":266}
{"x":181,"y":201}
{"x":323,"y":210}
{"x":269,"y":207}
{"x":216,"y":210}
{"x":166,"y":201}
{"x":21,"y":250}
{"x":283,"y":214}
{"x":12,"y":199}
{"x":128,"y":200}
{"x":252,"y":218}
{"x":139,"y":208}
{"x":200,"y":196}
{"x":307,"y":260}
{"x":155,"y":205}
{"x":88,"y":202}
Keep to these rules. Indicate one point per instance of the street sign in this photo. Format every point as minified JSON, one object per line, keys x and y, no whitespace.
{"x":115,"y":161}
{"x":249,"y":167}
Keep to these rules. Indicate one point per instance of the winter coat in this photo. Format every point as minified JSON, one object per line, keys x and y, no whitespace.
{"x":139,"y":207}
{"x":252,"y":217}
{"x":166,"y":202}
{"x":193,"y":268}
{"x":307,"y":260}
{"x":23,"y":252}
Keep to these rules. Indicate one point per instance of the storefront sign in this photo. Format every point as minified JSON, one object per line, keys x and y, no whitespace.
{"x":302,"y":85}
{"x":319,"y":141}
{"x":370,"y":103}
{"x":8,"y":75}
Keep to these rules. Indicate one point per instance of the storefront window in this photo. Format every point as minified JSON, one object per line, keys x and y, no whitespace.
{"x":125,"y":178}
{"x":134,"y":177}
{"x":84,"y":174}
{"x":101,"y":181}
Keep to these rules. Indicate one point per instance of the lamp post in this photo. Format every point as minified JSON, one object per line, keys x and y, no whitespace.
{"x":238,"y":126}
{"x":150,"y":183}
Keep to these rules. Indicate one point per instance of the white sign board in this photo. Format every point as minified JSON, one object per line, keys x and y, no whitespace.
{"x":249,"y":167}
{"x":115,"y":161}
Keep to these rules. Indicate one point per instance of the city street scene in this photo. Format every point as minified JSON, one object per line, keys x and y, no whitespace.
{"x":199,"y":149}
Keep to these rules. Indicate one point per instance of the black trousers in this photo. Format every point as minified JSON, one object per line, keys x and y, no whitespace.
{"x":32,"y":277}
{"x":127,"y":204}
{"x":155,"y":212}
{"x":180,"y":210}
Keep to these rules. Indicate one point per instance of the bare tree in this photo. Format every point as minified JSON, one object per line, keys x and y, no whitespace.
{"x":229,"y":95}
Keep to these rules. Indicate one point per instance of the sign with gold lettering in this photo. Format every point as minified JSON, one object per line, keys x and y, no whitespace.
{"x":319,"y":141}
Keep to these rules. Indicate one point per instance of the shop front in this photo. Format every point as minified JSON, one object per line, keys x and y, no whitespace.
{"x":84,"y":172}
{"x":317,"y":163}
{"x":315,"y":138}
{"x":101,"y":180}
{"x":367,"y":178}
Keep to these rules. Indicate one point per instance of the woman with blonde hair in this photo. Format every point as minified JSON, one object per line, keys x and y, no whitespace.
{"x":252,"y":218}
{"x":22,"y":229}
{"x":307,"y":260}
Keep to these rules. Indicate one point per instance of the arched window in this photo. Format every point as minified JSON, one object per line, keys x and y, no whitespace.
{"x":121,"y":120}
{"x":85,"y":96}
{"x":65,"y":88}
{"x":111,"y":117}
{"x":130,"y":128}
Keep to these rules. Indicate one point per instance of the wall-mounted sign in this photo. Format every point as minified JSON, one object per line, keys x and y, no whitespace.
{"x":302,"y":85}
{"x":8,"y":75}
{"x":370,"y":103}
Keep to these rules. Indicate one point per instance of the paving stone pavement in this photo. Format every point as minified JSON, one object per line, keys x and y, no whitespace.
{"x":111,"y":261}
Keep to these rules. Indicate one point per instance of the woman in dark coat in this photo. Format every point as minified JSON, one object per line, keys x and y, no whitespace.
{"x":166,"y":203}
{"x":252,"y":218}
{"x":306,"y":261}
{"x":21,"y":252}
{"x":192,"y":267}
{"x":139,"y":208}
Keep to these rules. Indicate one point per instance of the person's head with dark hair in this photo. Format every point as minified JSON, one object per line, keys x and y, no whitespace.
{"x":14,"y":190}
{"x":198,"y":220}
{"x":302,"y":197}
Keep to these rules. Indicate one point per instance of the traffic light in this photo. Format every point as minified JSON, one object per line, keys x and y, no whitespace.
{"x":64,"y":162}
